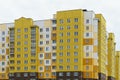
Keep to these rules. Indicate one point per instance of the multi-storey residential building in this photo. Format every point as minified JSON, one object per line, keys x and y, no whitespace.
{"x":24,"y":37}
{"x":71,"y":46}
{"x":117,"y":69}
{"x":80,"y":40}
{"x":47,"y":49}
{"x":4,"y":50}
{"x":111,"y":57}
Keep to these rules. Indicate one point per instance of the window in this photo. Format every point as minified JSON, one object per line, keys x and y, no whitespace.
{"x":18,"y":30}
{"x":41,"y":61}
{"x":26,"y":62}
{"x":61,"y":41}
{"x":47,"y":35}
{"x":3,"y":32}
{"x":75,"y":60}
{"x":47,"y":75}
{"x":68,"y":67}
{"x":41,"y":36}
{"x":41,"y":30}
{"x":76,"y":40}
{"x":53,"y":41}
{"x":87,"y":21}
{"x":47,"y":61}
{"x":3,"y":69}
{"x":61,"y":67}
{"x":25,"y":36}
{"x":60,"y":74}
{"x":18,"y":49}
{"x":18,"y":43}
{"x":61,"y":34}
{"x":18,"y":74}
{"x":68,"y":74}
{"x":25,"y":29}
{"x":76,"y":47}
{"x":75,"y":67}
{"x":68,"y":53}
{"x":75,"y":33}
{"x":87,"y":74}
{"x":33,"y":67}
{"x":87,"y":54}
{"x":47,"y":49}
{"x":18,"y":36}
{"x":41,"y":68}
{"x":68,"y":60}
{"x":87,"y":27}
{"x":25,"y":49}
{"x":61,"y":27}
{"x":3,"y":50}
{"x":41,"y":42}
{"x":47,"y":42}
{"x":26,"y":42}
{"x":68,"y":20}
{"x":87,"y":67}
{"x":53,"y":47}
{"x":3,"y":45}
{"x":18,"y":62}
{"x":75,"y":26}
{"x":60,"y":60}
{"x":68,"y":47}
{"x":41,"y":55}
{"x":68,"y":40}
{"x":75,"y":73}
{"x":61,"y":47}
{"x":53,"y":73}
{"x":61,"y":21}
{"x":25,"y":55}
{"x":87,"y":34}
{"x":53,"y":28}
{"x":18,"y":55}
{"x":25,"y":74}
{"x":68,"y":27}
{"x":3,"y":39}
{"x":3,"y":63}
{"x":60,"y":54}
{"x":47,"y":29}
{"x":54,"y":21}
{"x":18,"y":68}
{"x":75,"y":19}
{"x":75,"y":53}
{"x":87,"y":47}
{"x":68,"y":33}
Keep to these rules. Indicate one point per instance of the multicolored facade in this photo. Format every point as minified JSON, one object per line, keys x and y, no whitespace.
{"x":71,"y":46}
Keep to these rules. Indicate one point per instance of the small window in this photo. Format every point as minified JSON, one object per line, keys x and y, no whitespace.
{"x":41,"y":30}
{"x":87,"y":27}
{"x":3,"y":32}
{"x":87,"y":21}
{"x":75,"y":33}
{"x":68,"y":27}
{"x":47,"y":29}
{"x":18,"y":30}
{"x":61,"y":21}
{"x":75,"y":53}
{"x":68,"y":20}
{"x":26,"y":30}
{"x":75,"y":19}
{"x":75,"y":26}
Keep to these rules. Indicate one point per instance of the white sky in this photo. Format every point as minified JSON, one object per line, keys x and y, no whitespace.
{"x":44,"y":9}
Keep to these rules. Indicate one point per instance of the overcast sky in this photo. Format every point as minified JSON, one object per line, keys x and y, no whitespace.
{"x":44,"y":9}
